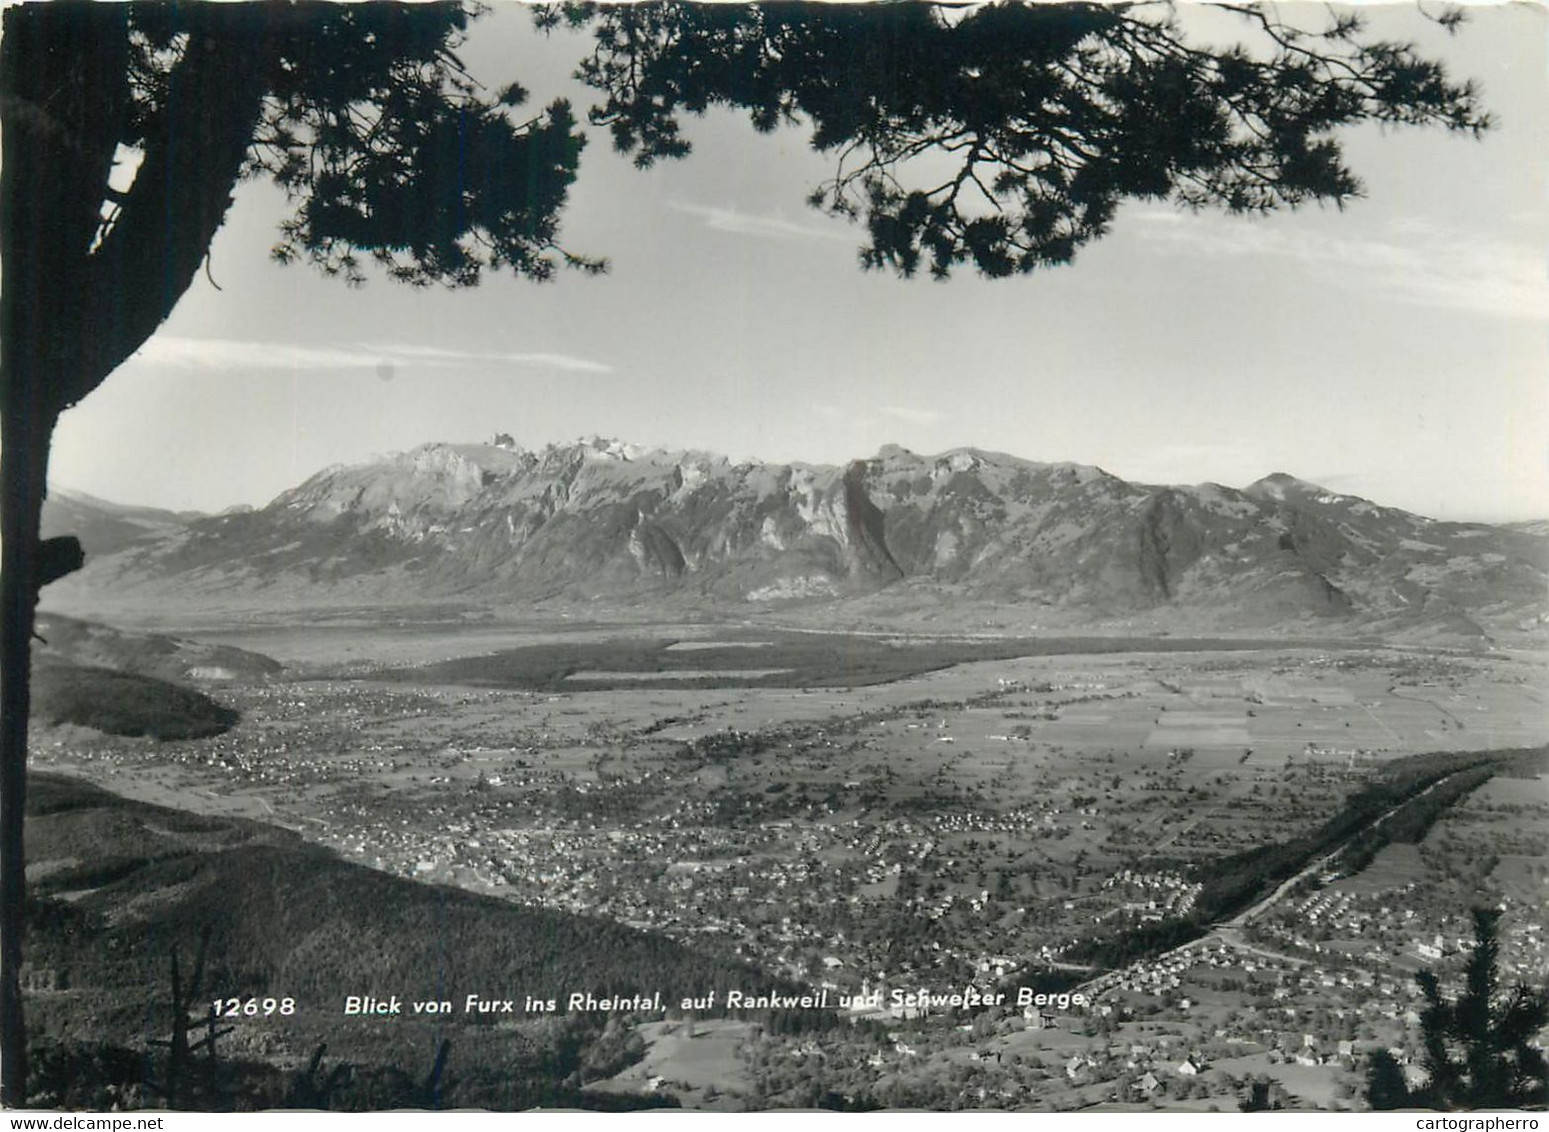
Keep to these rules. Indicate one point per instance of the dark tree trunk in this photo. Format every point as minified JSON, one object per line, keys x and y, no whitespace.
{"x":23,"y":473}
{"x":60,"y":100}
{"x":73,"y":306}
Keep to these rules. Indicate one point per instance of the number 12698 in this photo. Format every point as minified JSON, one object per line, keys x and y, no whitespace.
{"x":252,"y":1007}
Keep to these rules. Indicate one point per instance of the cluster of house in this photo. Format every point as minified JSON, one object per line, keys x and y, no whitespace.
{"x":1150,"y":896}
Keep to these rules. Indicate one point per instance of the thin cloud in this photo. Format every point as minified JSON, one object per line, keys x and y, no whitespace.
{"x":434,"y":354}
{"x":239,"y":354}
{"x":775,"y":227}
{"x":1409,"y":260}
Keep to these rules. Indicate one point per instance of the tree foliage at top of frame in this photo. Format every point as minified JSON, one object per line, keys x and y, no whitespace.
{"x":137,"y":121}
{"x":1006,"y":136}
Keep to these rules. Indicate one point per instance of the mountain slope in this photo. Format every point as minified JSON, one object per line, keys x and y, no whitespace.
{"x":105,"y":527}
{"x":116,"y":886}
{"x":122,"y":703}
{"x":600,"y":518}
{"x":73,"y":641}
{"x":134,"y":684}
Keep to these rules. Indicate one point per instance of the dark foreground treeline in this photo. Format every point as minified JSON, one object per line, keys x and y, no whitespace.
{"x":120,"y":888}
{"x":1417,"y":789}
{"x":123,"y":703}
{"x":102,"y":1077}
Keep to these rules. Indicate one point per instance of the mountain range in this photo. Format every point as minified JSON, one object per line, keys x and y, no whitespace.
{"x":600,"y":519}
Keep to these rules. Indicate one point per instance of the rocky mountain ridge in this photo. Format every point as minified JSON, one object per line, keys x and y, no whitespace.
{"x":602,"y":519}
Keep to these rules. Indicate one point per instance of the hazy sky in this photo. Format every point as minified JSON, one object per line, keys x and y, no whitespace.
{"x":1394,"y":350}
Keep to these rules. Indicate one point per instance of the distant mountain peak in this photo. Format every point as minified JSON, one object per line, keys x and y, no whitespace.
{"x":1284,"y":482}
{"x":1277,"y":484}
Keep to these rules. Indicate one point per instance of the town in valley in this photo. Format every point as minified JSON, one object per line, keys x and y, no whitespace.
{"x":911,"y":859}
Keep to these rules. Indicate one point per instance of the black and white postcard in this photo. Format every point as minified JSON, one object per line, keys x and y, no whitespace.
{"x":793,"y":556}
